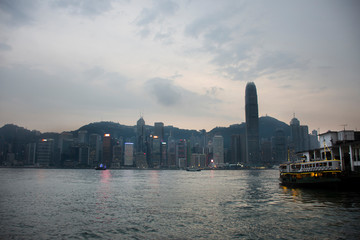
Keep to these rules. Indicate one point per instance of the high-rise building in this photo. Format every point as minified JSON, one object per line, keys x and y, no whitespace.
{"x":45,"y":152}
{"x":129,"y":154}
{"x":252,"y":125}
{"x":30,"y":154}
{"x":140,"y":135}
{"x":181,"y":154}
{"x":299,"y":136}
{"x":163,"y":157}
{"x":279,"y":147}
{"x":117,"y":156}
{"x":155,"y":151}
{"x":94,"y":150}
{"x":314,"y":142}
{"x":238,"y":148}
{"x":218,"y":150}
{"x":83,"y":155}
{"x":82,"y":136}
{"x":159,"y":130}
{"x":171,"y":152}
{"x":107,"y":150}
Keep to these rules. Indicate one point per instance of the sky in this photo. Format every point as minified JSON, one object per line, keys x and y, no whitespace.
{"x":64,"y":64}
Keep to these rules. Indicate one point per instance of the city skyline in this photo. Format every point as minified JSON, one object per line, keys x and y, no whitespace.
{"x":66,"y":64}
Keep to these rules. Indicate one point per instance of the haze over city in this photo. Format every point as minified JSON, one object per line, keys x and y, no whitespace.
{"x":64,"y":64}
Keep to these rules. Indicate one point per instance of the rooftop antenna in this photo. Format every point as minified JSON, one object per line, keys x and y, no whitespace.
{"x":344,"y":125}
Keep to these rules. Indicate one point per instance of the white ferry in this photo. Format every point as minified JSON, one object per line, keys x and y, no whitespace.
{"x":310,"y":173}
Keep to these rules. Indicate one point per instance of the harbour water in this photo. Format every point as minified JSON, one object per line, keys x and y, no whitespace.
{"x":169,"y":204}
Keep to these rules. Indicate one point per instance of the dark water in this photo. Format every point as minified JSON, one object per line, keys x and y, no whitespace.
{"x":131,"y":204}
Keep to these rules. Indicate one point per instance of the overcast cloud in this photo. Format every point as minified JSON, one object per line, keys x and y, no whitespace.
{"x":185,"y":63}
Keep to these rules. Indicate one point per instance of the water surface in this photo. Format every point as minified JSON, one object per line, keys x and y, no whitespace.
{"x":165,"y":204}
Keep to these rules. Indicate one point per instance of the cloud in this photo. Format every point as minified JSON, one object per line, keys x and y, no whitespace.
{"x":164,"y":91}
{"x":88,"y":8}
{"x":152,"y":21}
{"x":94,"y":89}
{"x":214,"y":91}
{"x":17,"y":12}
{"x":168,"y":94}
{"x":157,"y":12}
{"x":5,"y":47}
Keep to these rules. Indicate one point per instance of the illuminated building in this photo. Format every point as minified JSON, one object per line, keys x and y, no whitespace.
{"x":155,"y":151}
{"x":252,"y":125}
{"x":163,"y":157}
{"x":129,"y":154}
{"x":45,"y":152}
{"x":107,"y":150}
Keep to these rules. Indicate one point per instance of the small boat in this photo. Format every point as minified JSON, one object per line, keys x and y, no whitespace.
{"x":101,"y":167}
{"x":193,"y":169}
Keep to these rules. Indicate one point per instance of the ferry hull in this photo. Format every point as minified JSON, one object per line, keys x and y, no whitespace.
{"x":314,"y":180}
{"x":326,"y":180}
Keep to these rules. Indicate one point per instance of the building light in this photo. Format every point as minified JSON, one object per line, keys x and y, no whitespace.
{"x":107,"y":135}
{"x":155,"y":137}
{"x":44,"y":140}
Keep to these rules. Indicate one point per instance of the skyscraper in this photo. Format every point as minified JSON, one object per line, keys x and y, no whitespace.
{"x":45,"y":152}
{"x":129,"y":154}
{"x":252,"y":125}
{"x":140,"y":135}
{"x":107,"y":150}
{"x":218,"y":150}
{"x":159,"y":130}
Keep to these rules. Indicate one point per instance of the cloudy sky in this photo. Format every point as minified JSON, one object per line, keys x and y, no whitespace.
{"x":186,"y":63}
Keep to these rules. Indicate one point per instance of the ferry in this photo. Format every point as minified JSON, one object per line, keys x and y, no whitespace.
{"x":311,"y":173}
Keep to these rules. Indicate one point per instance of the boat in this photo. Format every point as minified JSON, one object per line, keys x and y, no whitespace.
{"x":320,"y":173}
{"x":312,"y":173}
{"x":101,"y":167}
{"x":193,"y":169}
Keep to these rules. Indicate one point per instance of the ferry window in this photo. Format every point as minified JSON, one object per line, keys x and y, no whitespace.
{"x":330,"y":164}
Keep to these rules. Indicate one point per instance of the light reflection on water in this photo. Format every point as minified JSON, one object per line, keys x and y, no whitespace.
{"x":150,"y":204}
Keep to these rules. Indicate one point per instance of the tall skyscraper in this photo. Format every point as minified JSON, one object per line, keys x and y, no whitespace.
{"x":107,"y":150}
{"x":159,"y":130}
{"x":252,"y":125}
{"x":140,"y":135}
